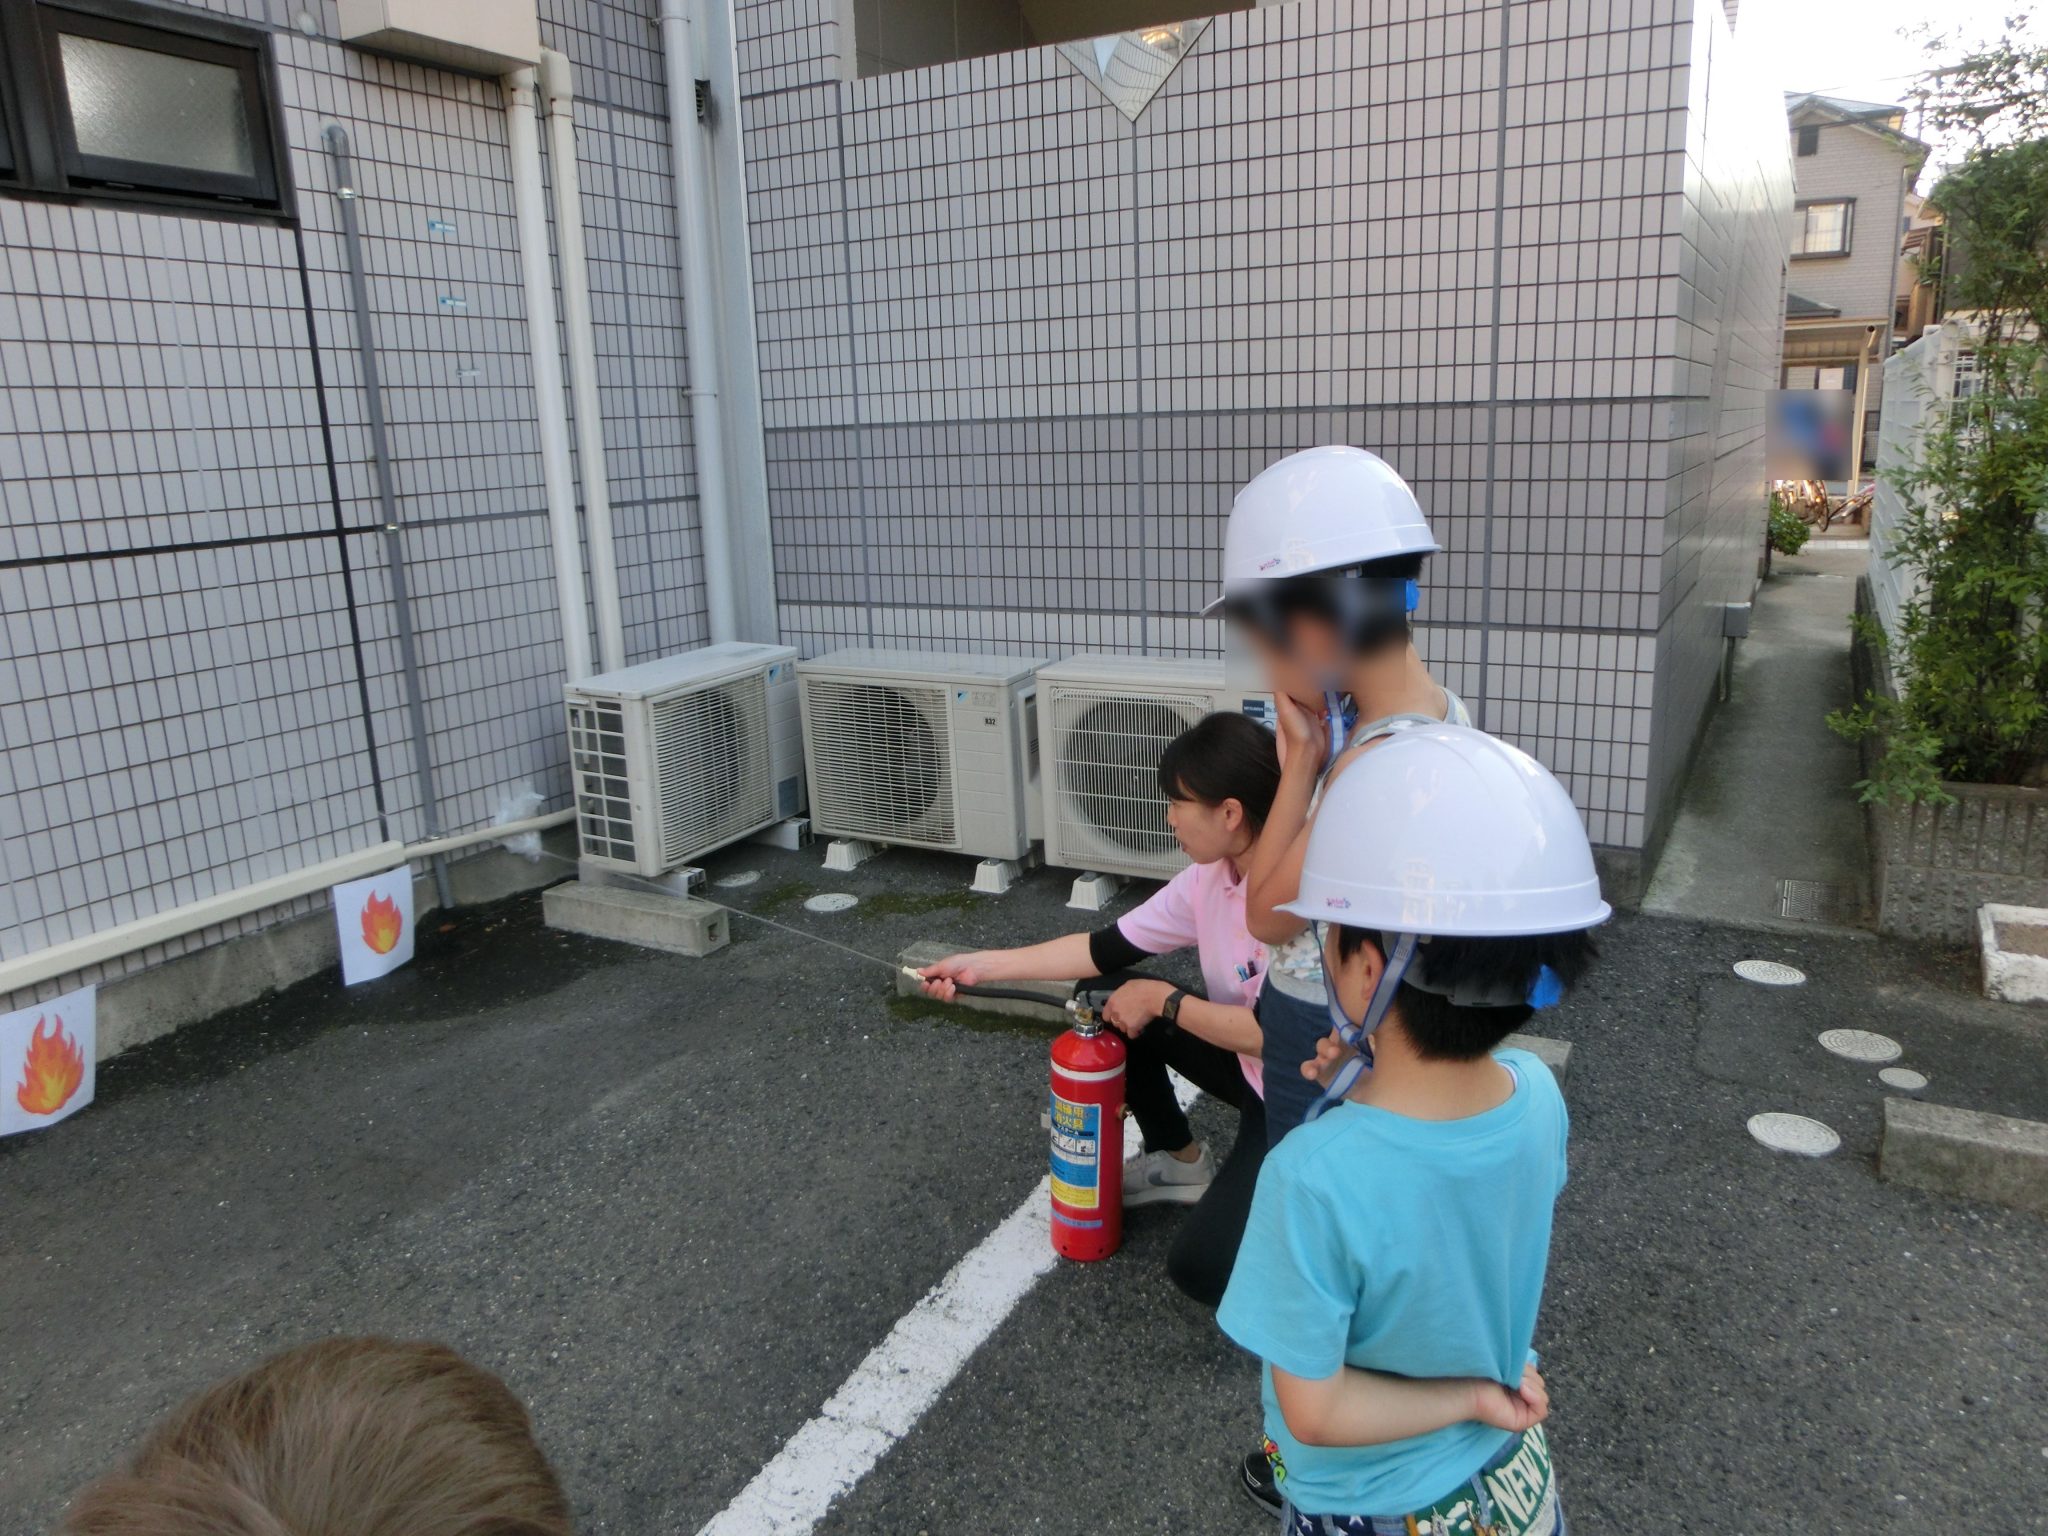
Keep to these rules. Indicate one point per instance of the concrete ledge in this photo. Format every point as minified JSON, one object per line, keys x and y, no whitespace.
{"x":1055,"y":993}
{"x":1554,"y":1054}
{"x":681,"y":925}
{"x":1965,"y":1152}
{"x":143,"y":1005}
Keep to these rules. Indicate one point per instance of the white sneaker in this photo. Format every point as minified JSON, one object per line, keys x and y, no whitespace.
{"x":1158,"y":1176}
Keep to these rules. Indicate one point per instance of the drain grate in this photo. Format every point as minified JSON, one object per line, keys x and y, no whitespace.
{"x":1813,"y":901}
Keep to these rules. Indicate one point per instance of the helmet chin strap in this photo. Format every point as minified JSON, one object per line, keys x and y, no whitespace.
{"x":1359,"y":1036}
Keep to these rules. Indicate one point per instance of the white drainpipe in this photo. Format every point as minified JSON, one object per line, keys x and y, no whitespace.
{"x":557,"y":87}
{"x":538,"y":278}
{"x":683,"y":44}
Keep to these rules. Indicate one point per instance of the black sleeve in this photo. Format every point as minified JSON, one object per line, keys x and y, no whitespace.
{"x":1112,"y":952}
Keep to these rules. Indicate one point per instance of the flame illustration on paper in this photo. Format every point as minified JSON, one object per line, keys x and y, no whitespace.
{"x":51,"y":1070}
{"x":382,"y":923}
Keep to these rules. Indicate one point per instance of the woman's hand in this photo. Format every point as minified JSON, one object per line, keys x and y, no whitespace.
{"x":944,"y":978}
{"x":1517,"y":1411}
{"x":1303,"y":737}
{"x":1136,"y":1004}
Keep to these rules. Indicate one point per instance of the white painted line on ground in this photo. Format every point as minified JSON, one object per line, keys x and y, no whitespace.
{"x":902,"y":1376}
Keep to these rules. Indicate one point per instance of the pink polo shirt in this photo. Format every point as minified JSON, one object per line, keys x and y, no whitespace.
{"x":1203,"y":905}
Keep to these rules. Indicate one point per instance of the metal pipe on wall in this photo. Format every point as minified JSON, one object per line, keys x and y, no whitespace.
{"x":682,"y":46}
{"x":559,"y":105}
{"x":536,"y":271}
{"x":336,"y":139}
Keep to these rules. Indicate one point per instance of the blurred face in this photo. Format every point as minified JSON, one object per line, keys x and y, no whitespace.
{"x":1205,"y":832}
{"x":1301,"y":668}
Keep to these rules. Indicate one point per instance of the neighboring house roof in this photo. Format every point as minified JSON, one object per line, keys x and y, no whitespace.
{"x":1799,"y":308}
{"x":1880,"y":118}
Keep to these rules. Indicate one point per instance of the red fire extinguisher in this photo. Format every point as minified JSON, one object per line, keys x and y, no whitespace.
{"x":1087,"y":1138}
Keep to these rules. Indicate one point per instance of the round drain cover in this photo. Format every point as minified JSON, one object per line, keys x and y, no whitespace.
{"x":1903,"y":1078}
{"x":832,"y":901}
{"x":1768,"y":973}
{"x":736,"y":879}
{"x":1793,"y":1133}
{"x":1861,"y":1045}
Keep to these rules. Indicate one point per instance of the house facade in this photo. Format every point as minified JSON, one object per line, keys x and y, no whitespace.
{"x":1853,"y":165}
{"x":1018,"y":322}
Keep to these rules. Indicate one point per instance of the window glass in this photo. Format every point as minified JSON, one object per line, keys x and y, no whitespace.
{"x":1823,"y":230}
{"x":1809,"y":141}
{"x":153,"y":108}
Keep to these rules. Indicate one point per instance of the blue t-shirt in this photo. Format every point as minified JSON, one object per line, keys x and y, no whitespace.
{"x":1414,"y":1247}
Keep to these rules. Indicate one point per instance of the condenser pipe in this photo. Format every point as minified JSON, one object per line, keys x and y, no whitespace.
{"x":346,"y":194}
{"x":529,"y":203}
{"x":682,"y":45}
{"x":559,"y":102}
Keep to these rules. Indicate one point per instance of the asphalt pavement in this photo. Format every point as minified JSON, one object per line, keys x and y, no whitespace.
{"x":675,"y":1202}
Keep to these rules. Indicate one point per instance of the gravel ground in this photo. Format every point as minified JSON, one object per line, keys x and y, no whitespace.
{"x":675,"y":1202}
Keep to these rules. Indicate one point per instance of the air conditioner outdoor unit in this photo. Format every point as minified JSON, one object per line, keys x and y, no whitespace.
{"x":676,"y":757}
{"x":923,"y":749}
{"x":1104,"y":721}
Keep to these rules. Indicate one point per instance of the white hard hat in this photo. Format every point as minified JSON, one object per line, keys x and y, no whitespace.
{"x":1442,"y":830}
{"x":1320,"y":510}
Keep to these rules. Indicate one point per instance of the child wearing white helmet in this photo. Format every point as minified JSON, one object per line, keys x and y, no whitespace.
{"x":1321,"y":573}
{"x":1394,"y":1260}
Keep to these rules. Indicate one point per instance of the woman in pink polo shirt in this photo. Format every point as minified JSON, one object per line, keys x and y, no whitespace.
{"x":1219,"y":777}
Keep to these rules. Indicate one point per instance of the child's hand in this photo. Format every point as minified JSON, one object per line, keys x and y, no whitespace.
{"x":943,"y":978}
{"x":1331,"y":1053}
{"x":1517,"y":1411}
{"x":1303,"y":736}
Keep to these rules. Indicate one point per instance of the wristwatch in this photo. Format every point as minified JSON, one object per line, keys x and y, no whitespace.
{"x":1170,"y":1009}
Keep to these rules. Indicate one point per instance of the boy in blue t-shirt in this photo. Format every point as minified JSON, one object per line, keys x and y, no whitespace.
{"x":1394,"y":1260}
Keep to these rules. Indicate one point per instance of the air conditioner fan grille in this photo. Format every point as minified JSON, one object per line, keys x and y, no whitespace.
{"x":881,"y":755}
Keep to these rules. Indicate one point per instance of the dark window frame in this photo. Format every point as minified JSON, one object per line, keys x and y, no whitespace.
{"x":1848,"y":206}
{"x":47,"y":157}
{"x":1808,"y":140}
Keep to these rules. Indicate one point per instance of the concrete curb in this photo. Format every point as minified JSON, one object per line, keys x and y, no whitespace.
{"x":1056,"y":993}
{"x":1965,"y":1152}
{"x":682,"y":925}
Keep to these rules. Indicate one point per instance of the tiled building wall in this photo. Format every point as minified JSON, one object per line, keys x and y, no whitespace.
{"x":1736,"y":200}
{"x":203,"y":686}
{"x":1018,"y":352}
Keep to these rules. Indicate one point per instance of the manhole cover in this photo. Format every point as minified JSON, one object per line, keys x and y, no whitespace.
{"x":1793,"y":1133}
{"x":1861,"y":1045}
{"x":1768,"y":973}
{"x":736,"y":879}
{"x":832,"y":901}
{"x":1903,"y":1078}
{"x":1812,"y":901}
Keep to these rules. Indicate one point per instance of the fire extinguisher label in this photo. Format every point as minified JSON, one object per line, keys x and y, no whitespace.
{"x":1076,"y":1154}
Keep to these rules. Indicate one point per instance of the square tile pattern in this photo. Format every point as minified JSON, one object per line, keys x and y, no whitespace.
{"x":1016,"y":351}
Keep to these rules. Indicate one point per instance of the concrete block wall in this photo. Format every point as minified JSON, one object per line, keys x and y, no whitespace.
{"x":202,"y":680}
{"x":1018,"y":352}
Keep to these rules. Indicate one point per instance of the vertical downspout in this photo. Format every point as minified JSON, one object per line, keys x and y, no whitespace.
{"x":559,"y":104}
{"x":522,"y":134}
{"x":336,"y":138}
{"x":700,"y":312}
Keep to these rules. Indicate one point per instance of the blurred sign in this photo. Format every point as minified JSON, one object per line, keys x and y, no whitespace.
{"x":1808,"y":434}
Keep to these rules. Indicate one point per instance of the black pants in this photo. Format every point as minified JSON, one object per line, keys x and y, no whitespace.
{"x":1205,"y":1248}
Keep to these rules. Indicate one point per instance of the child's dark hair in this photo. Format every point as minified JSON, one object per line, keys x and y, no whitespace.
{"x":1442,"y":1030}
{"x":1224,"y":756}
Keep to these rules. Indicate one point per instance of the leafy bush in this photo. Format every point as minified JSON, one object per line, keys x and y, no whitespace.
{"x":1789,"y":531}
{"x":1974,"y":642}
